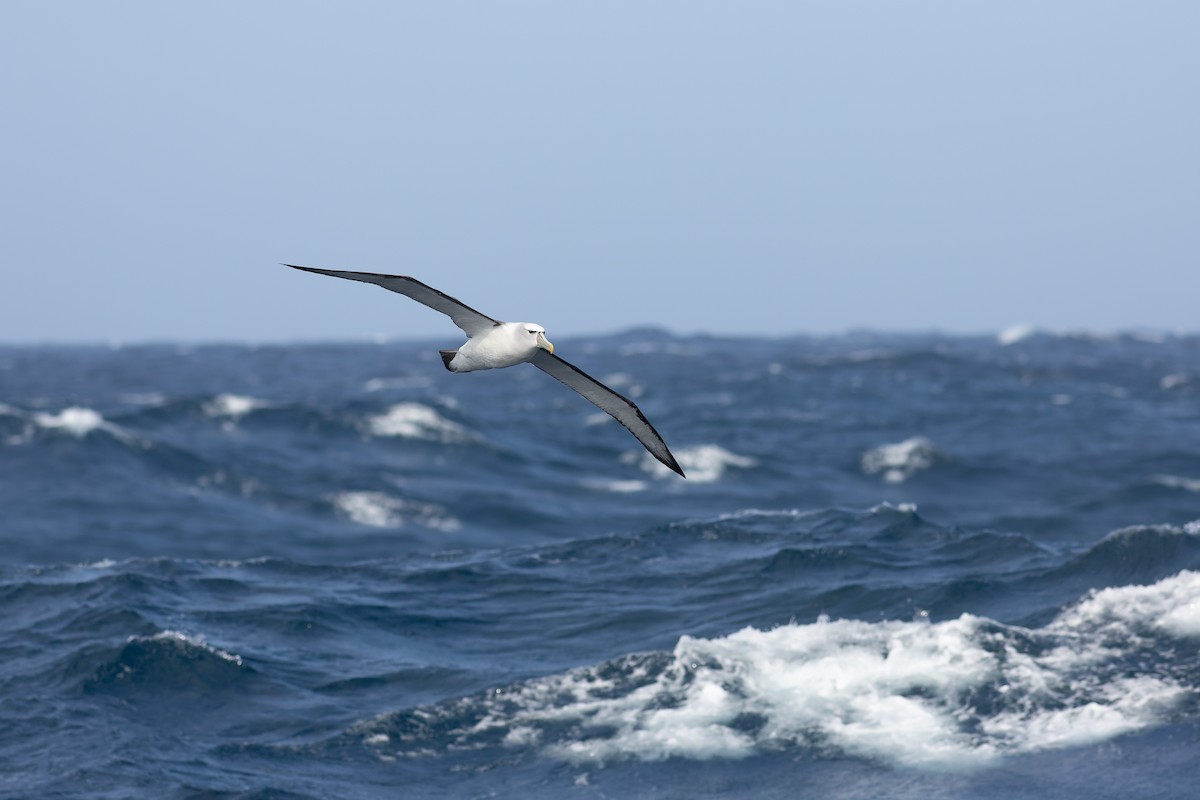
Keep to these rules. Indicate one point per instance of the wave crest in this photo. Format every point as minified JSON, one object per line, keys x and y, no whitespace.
{"x":956,"y":693}
{"x":900,"y":461}
{"x":417,"y":421}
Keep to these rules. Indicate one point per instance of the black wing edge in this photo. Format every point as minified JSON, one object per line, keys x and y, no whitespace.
{"x":334,"y":273}
{"x":669,"y":461}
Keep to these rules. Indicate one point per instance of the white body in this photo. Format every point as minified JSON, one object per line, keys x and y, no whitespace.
{"x":504,"y":345}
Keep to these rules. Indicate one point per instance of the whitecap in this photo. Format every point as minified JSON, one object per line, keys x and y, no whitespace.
{"x":1110,"y":618}
{"x":1175,"y":380}
{"x":951,"y":694}
{"x":900,"y":461}
{"x":887,"y":506}
{"x":752,"y":513}
{"x":77,"y":421}
{"x":189,"y":640}
{"x":618,"y":486}
{"x":416,"y":421}
{"x":235,"y":406}
{"x":1015,"y":333}
{"x":1177,"y":482}
{"x":704,"y":463}
{"x":379,"y":510}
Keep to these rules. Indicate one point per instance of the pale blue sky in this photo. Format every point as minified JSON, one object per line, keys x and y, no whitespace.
{"x":721,"y":167}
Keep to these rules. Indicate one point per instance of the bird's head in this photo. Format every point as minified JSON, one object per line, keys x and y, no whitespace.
{"x":538,"y":335}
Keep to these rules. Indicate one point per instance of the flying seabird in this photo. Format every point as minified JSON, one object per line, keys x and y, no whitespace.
{"x":492,"y":344}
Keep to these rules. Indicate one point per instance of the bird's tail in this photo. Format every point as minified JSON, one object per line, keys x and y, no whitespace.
{"x":447,"y":357}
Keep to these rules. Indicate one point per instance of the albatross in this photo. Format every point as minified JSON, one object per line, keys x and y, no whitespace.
{"x":492,"y":344}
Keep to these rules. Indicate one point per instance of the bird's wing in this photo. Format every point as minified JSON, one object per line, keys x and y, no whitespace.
{"x":622,"y":409}
{"x":465,"y":317}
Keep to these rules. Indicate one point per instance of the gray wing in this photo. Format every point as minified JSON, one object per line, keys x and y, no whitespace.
{"x":465,"y":317}
{"x":622,"y":409}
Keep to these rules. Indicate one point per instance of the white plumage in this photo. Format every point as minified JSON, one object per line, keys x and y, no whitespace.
{"x":492,"y":344}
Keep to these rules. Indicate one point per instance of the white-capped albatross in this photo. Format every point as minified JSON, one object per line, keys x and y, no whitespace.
{"x":492,"y":344}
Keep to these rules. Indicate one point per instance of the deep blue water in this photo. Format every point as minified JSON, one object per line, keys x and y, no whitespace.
{"x":902,"y":566}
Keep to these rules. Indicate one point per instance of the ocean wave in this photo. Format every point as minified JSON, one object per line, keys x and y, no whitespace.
{"x":75,"y":420}
{"x":143,"y":399}
{"x":1015,"y":333}
{"x":233,"y":406}
{"x":900,"y":461}
{"x":417,"y":421}
{"x":1175,"y":381}
{"x":617,"y":486}
{"x":14,"y":428}
{"x":704,"y":463}
{"x":379,"y":510}
{"x":80,"y":422}
{"x":1177,"y":482}
{"x":958,"y":693}
{"x":404,"y":382}
{"x":169,"y":660}
{"x":1135,"y":554}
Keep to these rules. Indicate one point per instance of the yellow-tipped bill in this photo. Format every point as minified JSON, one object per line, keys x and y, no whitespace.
{"x":544,"y":343}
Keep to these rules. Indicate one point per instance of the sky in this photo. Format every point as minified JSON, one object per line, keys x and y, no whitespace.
{"x":729,"y":168}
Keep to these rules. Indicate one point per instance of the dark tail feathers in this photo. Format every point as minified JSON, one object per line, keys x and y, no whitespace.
{"x":447,"y":357}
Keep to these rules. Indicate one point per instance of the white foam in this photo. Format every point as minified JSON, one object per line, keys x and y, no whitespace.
{"x":1174,"y":381}
{"x":1015,"y":333}
{"x":75,"y":420}
{"x":1177,"y":482}
{"x":886,"y":506}
{"x":235,"y":406}
{"x":379,"y":510}
{"x":950,"y":694}
{"x":193,"y":641}
{"x":780,"y":513}
{"x":1172,"y":605}
{"x":900,"y":461}
{"x":618,"y":486}
{"x":704,"y":463}
{"x":416,"y":421}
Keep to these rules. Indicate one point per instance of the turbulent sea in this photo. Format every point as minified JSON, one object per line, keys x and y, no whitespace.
{"x":900,"y":566}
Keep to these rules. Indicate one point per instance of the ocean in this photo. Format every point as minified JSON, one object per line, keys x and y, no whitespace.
{"x":904,"y":566}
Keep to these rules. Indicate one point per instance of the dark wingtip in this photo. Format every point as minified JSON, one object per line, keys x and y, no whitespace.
{"x":673,"y":464}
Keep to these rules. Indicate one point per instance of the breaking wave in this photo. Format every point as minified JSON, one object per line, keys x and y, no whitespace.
{"x":957,"y":693}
